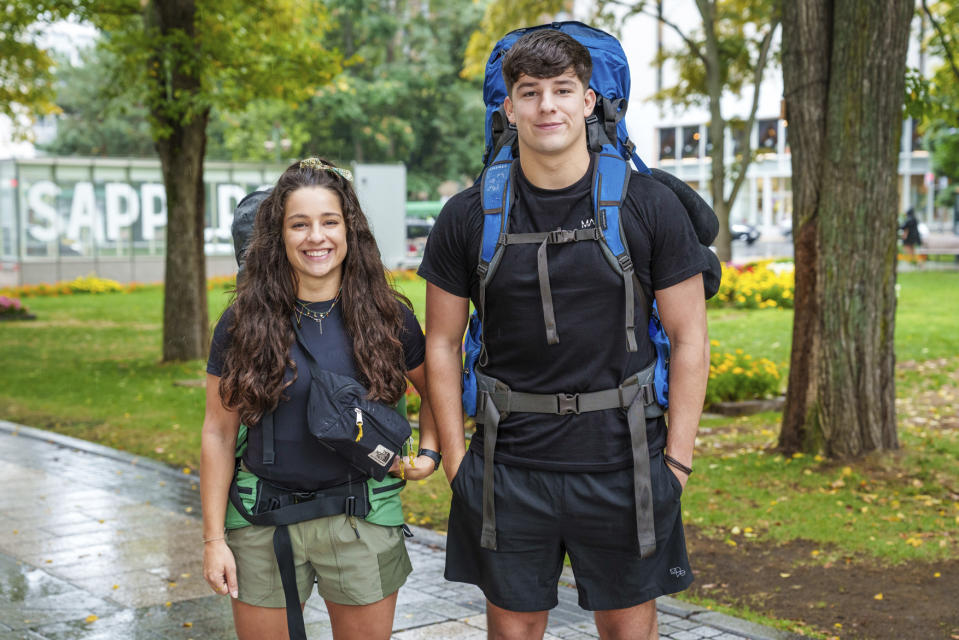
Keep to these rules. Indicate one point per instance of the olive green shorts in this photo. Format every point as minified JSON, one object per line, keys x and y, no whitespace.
{"x":346,"y":569}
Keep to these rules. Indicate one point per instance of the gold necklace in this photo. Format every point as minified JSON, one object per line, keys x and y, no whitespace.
{"x":303,"y":310}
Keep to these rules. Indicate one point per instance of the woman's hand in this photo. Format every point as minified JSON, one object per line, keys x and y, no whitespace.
{"x":219,"y":567}
{"x":420,"y":468}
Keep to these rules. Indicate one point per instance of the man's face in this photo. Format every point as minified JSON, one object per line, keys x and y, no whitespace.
{"x":550,"y":113}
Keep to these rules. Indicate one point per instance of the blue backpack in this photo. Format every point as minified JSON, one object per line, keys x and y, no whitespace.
{"x":607,"y":135}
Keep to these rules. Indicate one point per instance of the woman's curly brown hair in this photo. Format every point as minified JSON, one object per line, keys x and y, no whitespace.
{"x":259,"y":353}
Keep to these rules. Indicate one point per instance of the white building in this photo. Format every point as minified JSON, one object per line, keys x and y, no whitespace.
{"x":676,"y":139}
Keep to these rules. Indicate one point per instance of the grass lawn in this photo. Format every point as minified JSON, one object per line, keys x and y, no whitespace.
{"x":89,"y":367}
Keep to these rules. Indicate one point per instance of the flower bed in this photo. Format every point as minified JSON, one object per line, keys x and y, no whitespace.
{"x":81,"y":284}
{"x":13,"y":309}
{"x":738,"y":376}
{"x":756,"y":285}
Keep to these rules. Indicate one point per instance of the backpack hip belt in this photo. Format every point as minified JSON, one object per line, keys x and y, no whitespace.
{"x":495,"y":401}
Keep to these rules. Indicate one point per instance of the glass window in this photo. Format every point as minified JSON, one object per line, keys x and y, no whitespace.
{"x":691,"y":138}
{"x":768,"y":135}
{"x":667,"y":143}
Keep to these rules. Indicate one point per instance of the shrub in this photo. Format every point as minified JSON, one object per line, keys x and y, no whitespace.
{"x":12,"y":309}
{"x":94,"y":284}
{"x":738,"y":376}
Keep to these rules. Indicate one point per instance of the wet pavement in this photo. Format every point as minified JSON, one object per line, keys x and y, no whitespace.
{"x":96,"y":544}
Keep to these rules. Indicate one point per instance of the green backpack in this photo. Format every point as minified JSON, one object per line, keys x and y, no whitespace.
{"x":386,"y":508}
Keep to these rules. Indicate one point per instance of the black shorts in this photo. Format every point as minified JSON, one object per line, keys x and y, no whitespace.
{"x":542,"y":515}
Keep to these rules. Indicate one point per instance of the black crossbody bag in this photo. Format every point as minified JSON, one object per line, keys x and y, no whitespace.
{"x":366,"y":433}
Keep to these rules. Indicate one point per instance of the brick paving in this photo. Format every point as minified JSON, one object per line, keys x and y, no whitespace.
{"x":96,"y":544}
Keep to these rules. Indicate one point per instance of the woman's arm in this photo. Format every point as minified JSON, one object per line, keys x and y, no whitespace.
{"x":424,"y":465}
{"x":217,"y":460}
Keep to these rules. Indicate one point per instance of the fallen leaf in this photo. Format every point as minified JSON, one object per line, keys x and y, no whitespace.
{"x":784,"y":575}
{"x":878,"y":596}
{"x":91,"y":619}
{"x":188,"y":624}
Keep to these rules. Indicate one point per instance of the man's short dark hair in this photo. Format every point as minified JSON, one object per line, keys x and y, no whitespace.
{"x":546,"y":53}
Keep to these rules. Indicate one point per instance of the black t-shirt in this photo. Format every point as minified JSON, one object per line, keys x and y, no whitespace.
{"x":588,"y":297}
{"x":301,"y":462}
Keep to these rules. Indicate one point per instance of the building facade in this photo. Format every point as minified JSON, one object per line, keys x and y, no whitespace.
{"x":65,"y":217}
{"x":676,"y":139}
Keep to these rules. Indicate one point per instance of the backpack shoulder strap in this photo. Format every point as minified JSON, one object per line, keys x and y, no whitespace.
{"x":496,"y":188}
{"x":610,"y":181}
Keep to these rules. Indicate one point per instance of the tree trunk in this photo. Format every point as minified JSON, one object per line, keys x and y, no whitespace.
{"x":181,"y":145}
{"x":849,"y":207}
{"x":806,"y":49}
{"x":717,"y":126}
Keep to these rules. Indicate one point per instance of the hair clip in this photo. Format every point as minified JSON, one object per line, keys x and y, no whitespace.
{"x":316,"y":163}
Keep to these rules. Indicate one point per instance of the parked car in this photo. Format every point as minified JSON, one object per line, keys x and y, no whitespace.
{"x":417,"y":230}
{"x":742,"y":231}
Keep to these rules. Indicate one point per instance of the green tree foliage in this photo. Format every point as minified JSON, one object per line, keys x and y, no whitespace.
{"x":185,"y":57}
{"x":938,"y":97}
{"x":26,"y":85}
{"x":400,"y":98}
{"x":501,"y":17}
{"x":98,"y":116}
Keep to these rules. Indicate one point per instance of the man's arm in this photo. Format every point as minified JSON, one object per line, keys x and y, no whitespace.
{"x":446,"y":317}
{"x":682,"y":309}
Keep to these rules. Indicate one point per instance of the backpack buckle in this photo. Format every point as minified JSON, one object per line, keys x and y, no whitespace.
{"x":648,"y":393}
{"x":567,"y":403}
{"x":625,"y":262}
{"x":302,"y":496}
{"x":561,"y":236}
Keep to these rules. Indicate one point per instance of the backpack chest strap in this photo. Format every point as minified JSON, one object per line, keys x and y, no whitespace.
{"x":545,"y":238}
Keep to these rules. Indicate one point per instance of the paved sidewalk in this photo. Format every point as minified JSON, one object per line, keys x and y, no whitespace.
{"x":96,"y":544}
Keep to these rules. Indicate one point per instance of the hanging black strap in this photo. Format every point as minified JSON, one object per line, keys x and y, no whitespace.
{"x":642,"y":484}
{"x":546,"y":294}
{"x":266,"y":433}
{"x":283,"y":549}
{"x":491,"y":418}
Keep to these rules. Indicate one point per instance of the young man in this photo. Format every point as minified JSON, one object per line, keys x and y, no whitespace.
{"x":563,"y":481}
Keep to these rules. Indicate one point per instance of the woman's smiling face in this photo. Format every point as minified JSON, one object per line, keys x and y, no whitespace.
{"x":314,"y":234}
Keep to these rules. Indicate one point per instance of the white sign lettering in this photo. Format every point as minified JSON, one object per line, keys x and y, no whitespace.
{"x":112,"y":211}
{"x":123,"y":208}
{"x":42,"y":218}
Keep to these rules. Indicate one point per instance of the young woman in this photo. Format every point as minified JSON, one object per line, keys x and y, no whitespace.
{"x":313,"y":287}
